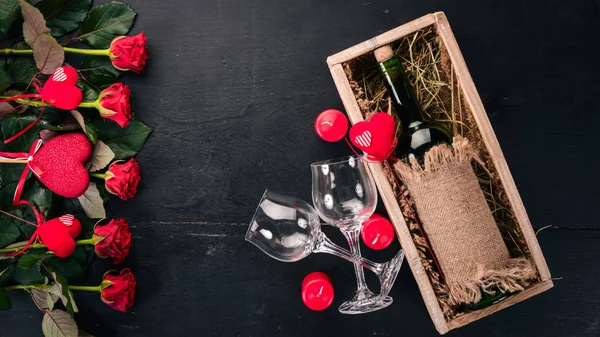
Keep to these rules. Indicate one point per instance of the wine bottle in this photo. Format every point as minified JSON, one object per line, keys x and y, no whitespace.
{"x":419,"y":134}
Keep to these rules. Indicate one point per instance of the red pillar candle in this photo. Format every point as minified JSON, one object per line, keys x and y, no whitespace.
{"x":331,"y":125}
{"x":317,"y":291}
{"x":377,"y":232}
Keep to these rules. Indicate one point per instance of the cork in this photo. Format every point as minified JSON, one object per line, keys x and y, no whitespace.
{"x":383,"y":53}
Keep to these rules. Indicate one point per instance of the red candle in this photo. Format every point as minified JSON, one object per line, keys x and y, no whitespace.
{"x":317,"y":291}
{"x":377,"y":232}
{"x":331,"y":125}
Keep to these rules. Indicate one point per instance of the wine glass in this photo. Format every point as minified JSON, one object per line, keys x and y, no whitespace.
{"x":344,"y":196}
{"x":288,"y":229}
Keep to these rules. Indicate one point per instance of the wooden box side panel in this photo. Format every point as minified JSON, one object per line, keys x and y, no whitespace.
{"x":381,"y":40}
{"x":489,"y":137}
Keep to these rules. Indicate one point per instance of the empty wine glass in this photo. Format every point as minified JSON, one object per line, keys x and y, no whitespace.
{"x":344,"y":196}
{"x":288,"y":229}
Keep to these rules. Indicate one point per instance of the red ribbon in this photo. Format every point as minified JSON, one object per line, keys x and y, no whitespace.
{"x":36,"y":84}
{"x":30,"y":166}
{"x":40,"y":220}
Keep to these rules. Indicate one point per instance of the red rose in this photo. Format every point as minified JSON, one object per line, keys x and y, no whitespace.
{"x":122,"y":179}
{"x":115,"y":240}
{"x":118,"y":290}
{"x":113,"y":103}
{"x":129,"y":52}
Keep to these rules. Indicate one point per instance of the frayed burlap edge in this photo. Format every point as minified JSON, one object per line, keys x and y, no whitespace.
{"x":437,"y":158}
{"x":513,"y":276}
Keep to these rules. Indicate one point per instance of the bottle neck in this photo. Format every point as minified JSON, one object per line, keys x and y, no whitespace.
{"x":403,"y":98}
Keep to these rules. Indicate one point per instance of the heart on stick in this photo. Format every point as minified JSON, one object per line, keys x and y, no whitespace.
{"x":59,"y":164}
{"x":59,"y":234}
{"x":376,"y":137}
{"x":60,"y":90}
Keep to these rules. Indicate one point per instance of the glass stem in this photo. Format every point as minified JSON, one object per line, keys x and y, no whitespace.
{"x":352,"y":234}
{"x":325,"y":245}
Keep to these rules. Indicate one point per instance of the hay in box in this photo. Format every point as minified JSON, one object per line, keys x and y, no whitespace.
{"x":445,"y":90}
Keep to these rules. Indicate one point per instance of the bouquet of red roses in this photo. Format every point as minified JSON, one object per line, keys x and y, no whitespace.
{"x":67,"y":142}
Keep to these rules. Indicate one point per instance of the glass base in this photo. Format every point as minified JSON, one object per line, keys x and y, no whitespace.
{"x":388,"y":275}
{"x":362,"y":305}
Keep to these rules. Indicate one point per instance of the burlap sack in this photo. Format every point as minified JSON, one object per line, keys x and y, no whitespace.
{"x":460,"y":226}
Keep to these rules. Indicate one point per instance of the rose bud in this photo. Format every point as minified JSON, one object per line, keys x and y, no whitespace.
{"x":113,"y":240}
{"x":129,"y":52}
{"x":113,"y":103}
{"x":118,"y":290}
{"x":122,"y":178}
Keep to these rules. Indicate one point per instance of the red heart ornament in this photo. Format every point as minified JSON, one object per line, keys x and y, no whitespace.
{"x":375,"y":137}
{"x":59,"y":234}
{"x":60,"y":89}
{"x":72,"y":223}
{"x":59,"y":164}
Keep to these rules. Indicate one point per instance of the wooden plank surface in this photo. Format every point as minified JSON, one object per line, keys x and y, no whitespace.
{"x":232,"y":89}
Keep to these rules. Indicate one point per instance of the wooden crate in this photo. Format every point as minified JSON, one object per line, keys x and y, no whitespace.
{"x":472,"y":101}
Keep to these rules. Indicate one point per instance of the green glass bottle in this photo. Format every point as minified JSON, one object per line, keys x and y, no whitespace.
{"x":418,"y":133}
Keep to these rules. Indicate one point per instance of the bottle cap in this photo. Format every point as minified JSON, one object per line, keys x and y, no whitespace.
{"x":383,"y":53}
{"x":317,"y":291}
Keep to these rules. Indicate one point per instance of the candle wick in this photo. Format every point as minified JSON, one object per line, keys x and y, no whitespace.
{"x":320,"y":291}
{"x":376,"y":238}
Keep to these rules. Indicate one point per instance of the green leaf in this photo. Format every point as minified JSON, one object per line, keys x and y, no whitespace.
{"x":34,"y":24}
{"x":105,"y":22}
{"x":28,"y":260}
{"x":22,"y":68}
{"x":72,"y":206}
{"x":48,"y":54}
{"x":104,"y":194}
{"x":5,"y":274}
{"x":99,"y":71}
{"x":9,"y":176}
{"x":63,"y":16}
{"x":4,"y":77}
{"x":9,"y":13}
{"x":87,"y":230}
{"x":56,"y":293}
{"x":101,"y":157}
{"x":125,"y":142}
{"x":39,"y":195}
{"x":92,"y":202}
{"x":67,"y":268}
{"x":89,"y":91}
{"x":91,"y":132}
{"x":9,"y":233}
{"x":80,"y":255}
{"x":57,"y":323}
{"x":44,"y":298}
{"x":4,"y":300}
{"x":28,"y":277}
{"x":13,"y":123}
{"x":63,"y":286}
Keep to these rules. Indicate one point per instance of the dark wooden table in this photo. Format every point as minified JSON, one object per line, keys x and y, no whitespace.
{"x":232,"y":88}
